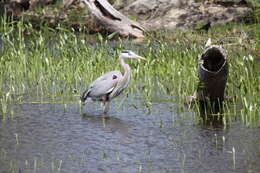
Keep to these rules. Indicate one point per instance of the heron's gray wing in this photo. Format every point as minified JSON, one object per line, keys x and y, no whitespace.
{"x":104,"y":84}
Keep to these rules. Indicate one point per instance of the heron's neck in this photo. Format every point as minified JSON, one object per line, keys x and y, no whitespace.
{"x":127,"y":69}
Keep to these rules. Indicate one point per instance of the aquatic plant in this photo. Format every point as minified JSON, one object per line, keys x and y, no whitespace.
{"x":55,"y":65}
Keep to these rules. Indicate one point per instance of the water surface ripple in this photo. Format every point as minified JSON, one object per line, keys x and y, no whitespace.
{"x":47,"y":137}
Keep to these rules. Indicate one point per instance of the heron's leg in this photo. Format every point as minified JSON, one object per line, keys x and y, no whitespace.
{"x":106,"y":107}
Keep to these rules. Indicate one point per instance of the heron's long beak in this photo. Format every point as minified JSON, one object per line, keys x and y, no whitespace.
{"x":140,"y":57}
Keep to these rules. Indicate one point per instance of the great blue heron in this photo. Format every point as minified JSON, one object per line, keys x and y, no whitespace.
{"x":111,"y":84}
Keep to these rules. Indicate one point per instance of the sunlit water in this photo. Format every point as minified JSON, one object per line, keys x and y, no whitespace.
{"x":52,"y":137}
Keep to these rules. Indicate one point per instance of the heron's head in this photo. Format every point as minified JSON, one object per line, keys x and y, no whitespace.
{"x":130,"y":54}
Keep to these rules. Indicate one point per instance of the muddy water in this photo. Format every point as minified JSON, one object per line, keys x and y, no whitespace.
{"x":51,"y":137}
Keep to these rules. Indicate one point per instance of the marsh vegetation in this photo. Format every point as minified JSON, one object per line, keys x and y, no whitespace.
{"x":56,"y":65}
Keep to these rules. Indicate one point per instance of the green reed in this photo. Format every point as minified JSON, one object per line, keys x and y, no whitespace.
{"x":56,"y":65}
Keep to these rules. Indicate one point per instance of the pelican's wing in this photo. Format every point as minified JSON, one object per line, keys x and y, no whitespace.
{"x":104,"y":84}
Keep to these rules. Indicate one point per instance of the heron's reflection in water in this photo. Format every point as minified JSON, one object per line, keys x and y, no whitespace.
{"x":110,"y":123}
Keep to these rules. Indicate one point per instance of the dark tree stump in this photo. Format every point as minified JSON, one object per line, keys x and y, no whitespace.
{"x":210,"y":94}
{"x":213,"y":72}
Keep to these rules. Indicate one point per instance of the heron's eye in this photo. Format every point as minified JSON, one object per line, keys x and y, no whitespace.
{"x":114,"y":77}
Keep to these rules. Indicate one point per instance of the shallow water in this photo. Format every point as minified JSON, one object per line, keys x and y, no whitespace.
{"x":51,"y":137}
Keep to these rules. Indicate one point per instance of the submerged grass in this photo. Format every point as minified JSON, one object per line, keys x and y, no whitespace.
{"x":58,"y":64}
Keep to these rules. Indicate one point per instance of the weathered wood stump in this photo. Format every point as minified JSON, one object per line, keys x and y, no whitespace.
{"x":113,"y":20}
{"x":213,"y":73}
{"x":210,"y":94}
